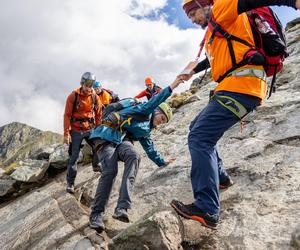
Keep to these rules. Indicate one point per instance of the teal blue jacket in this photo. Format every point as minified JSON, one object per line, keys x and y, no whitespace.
{"x":138,"y":130}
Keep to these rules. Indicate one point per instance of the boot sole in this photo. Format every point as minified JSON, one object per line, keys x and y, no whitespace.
{"x":194,"y":217}
{"x":222,"y":187}
{"x":123,"y":219}
{"x":70,"y":191}
{"x":97,"y":228}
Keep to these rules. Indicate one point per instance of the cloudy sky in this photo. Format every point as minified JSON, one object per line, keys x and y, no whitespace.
{"x":45,"y":46}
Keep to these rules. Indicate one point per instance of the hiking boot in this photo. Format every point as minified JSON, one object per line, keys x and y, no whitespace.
{"x":70,"y":189}
{"x":97,"y":169}
{"x":96,"y":222}
{"x":226,"y":183}
{"x":194,"y":213}
{"x":121,"y":215}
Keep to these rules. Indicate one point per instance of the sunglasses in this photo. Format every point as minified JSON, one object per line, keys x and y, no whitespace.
{"x":88,"y":83}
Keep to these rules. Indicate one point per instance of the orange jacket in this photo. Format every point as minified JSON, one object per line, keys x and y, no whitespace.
{"x":83,"y":109}
{"x":105,"y":97}
{"x":225,"y":13}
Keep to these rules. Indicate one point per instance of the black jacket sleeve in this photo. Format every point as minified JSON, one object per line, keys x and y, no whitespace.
{"x":246,"y":5}
{"x":203,"y":65}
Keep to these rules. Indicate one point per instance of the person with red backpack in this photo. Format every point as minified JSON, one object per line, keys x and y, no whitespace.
{"x":82,"y":114}
{"x":240,"y":65}
{"x":151,"y":89}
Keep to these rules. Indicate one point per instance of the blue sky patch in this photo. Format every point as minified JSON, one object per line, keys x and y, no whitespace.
{"x":174,"y":15}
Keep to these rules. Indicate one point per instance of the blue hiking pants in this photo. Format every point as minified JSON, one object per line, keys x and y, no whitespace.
{"x":205,"y":131}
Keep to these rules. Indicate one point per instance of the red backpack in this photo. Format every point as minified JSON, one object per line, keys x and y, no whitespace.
{"x":270,"y":44}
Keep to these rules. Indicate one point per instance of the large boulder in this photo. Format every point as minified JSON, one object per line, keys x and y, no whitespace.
{"x":156,"y":231}
{"x":7,"y":186}
{"x":30,"y":170}
{"x":44,"y":152}
{"x":59,"y":158}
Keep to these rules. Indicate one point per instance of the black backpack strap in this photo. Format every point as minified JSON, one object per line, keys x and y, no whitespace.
{"x":140,"y":118}
{"x":218,"y":29}
{"x":75,"y":102}
{"x":273,"y":83}
{"x":94,"y":97}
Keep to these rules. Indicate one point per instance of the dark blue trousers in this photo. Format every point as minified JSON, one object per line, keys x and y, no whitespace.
{"x":74,"y":150}
{"x":205,"y":131}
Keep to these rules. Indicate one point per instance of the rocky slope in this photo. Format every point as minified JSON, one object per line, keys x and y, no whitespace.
{"x":261,"y":211}
{"x":19,"y":141}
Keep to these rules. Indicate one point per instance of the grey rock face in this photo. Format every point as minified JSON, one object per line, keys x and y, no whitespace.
{"x":156,"y":230}
{"x":44,"y":152}
{"x":19,"y":141}
{"x":296,"y":237}
{"x":46,"y":219}
{"x":2,"y":172}
{"x":59,"y":158}
{"x":30,"y":170}
{"x":7,"y":186}
{"x":292,"y":23}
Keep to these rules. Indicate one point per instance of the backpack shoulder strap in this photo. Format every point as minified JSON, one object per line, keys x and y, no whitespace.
{"x":108,"y":91}
{"x":75,"y":101}
{"x":94,"y":97}
{"x":220,"y":32}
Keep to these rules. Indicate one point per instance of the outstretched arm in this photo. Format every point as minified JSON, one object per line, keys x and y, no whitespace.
{"x":246,"y":5}
{"x":151,"y":152}
{"x":140,"y":95}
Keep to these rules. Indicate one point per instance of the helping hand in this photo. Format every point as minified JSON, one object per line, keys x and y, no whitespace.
{"x":176,"y":83}
{"x":170,"y":160}
{"x":186,"y":77}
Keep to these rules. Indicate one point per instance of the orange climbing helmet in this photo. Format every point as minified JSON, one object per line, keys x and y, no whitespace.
{"x":149,"y":80}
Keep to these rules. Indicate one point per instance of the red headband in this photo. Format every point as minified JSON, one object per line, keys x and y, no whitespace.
{"x":196,"y":4}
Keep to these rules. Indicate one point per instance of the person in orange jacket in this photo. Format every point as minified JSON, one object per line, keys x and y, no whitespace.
{"x":151,"y":90}
{"x":241,"y":88}
{"x":82,"y":114}
{"x":106,"y":96}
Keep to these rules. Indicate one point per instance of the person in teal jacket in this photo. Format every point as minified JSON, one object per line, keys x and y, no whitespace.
{"x":117,"y":144}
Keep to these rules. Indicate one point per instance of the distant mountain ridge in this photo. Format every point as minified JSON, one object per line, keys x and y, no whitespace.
{"x":19,"y":141}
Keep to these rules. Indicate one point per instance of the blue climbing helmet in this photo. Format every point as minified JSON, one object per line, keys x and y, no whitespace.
{"x":97,"y":85}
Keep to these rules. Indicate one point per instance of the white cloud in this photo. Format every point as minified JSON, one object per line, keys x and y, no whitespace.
{"x":145,"y":7}
{"x":45,"y":46}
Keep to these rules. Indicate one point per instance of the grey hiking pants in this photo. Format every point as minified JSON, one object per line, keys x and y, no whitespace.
{"x":109,"y":157}
{"x":74,"y":150}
